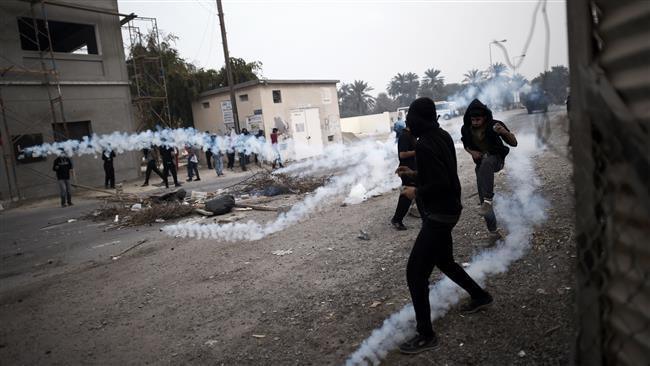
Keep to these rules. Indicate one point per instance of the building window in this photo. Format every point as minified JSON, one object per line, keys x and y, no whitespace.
{"x":75,"y":130}
{"x":330,"y":138}
{"x":65,"y":37}
{"x":243,"y":98}
{"x":24,"y":141}
{"x":206,"y":104}
{"x":277,"y":96}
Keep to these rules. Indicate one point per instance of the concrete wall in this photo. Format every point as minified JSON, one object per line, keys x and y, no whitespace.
{"x":294,"y":96}
{"x":95,"y":88}
{"x":370,"y":124}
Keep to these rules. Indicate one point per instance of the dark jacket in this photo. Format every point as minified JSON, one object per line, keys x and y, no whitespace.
{"x":167,"y":154}
{"x":494,"y":141}
{"x":438,"y":187}
{"x":108,"y":160}
{"x":62,"y":166}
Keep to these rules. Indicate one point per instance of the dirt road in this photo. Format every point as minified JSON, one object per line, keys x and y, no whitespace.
{"x":184,"y":301}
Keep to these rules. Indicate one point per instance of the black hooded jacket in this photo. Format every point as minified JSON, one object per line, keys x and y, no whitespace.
{"x":438,"y":186}
{"x":494,"y":141}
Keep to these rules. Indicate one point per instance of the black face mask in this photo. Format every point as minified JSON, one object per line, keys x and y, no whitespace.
{"x":419,"y":126}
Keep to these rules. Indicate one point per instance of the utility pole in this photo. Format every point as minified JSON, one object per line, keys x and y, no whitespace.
{"x":233,"y":101}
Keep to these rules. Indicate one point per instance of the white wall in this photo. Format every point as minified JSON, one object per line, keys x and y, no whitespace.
{"x":370,"y":124}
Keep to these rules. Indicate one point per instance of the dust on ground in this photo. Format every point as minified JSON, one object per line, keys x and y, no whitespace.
{"x":185,"y":301}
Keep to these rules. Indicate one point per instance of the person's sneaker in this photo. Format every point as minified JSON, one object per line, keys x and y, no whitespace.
{"x":144,"y":184}
{"x":485,"y":208}
{"x":494,"y":236}
{"x":197,"y":179}
{"x":474,"y":305}
{"x":188,"y":179}
{"x":63,"y":205}
{"x":419,"y":344}
{"x":70,"y":204}
{"x":176,"y":185}
{"x":398,"y":225}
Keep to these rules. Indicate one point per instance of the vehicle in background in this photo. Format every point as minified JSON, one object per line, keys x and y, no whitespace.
{"x":535,"y":101}
{"x":446,"y":110}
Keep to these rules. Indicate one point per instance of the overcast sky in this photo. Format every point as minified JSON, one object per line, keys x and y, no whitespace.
{"x":366,"y":40}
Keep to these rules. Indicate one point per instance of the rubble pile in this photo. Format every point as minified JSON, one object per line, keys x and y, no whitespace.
{"x":133,"y":210}
{"x":267,"y":184}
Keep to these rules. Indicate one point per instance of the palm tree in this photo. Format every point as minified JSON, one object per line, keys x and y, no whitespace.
{"x":498,"y":70}
{"x":397,"y":85}
{"x":362,"y":102}
{"x":473,"y":77}
{"x":432,"y":84}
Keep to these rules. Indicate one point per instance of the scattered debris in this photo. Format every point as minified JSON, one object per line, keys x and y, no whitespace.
{"x":203,"y":212}
{"x":548,"y":332}
{"x":220,"y":205}
{"x":363,"y":235}
{"x":199,"y":196}
{"x":136,"y":207}
{"x":541,"y":291}
{"x":282,"y":252}
{"x":375,"y":304}
{"x":521,"y":353}
{"x":259,"y":336}
{"x":211,"y":342}
{"x":465,"y":264}
{"x":117,"y":218}
{"x":116,"y":257}
{"x":160,"y":220}
{"x":254,"y":207}
{"x":72,"y":220}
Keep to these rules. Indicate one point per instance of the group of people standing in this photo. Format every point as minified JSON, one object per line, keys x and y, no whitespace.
{"x":428,"y":169}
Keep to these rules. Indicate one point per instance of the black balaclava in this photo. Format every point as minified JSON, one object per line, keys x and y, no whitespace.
{"x":422,"y":116}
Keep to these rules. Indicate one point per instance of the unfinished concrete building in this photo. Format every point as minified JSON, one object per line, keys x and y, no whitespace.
{"x":63,"y":76}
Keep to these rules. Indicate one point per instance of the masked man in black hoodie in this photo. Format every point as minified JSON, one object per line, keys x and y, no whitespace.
{"x":437,"y":193}
{"x":483,"y":138}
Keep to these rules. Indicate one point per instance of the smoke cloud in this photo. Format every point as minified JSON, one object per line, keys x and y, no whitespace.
{"x":520,"y":211}
{"x":121,"y":142}
{"x":367,"y":164}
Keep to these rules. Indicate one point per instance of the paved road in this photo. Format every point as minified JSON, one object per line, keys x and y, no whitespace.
{"x":43,"y":239}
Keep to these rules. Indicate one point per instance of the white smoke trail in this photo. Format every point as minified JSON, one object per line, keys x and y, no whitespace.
{"x":178,"y":138}
{"x":375,"y":162}
{"x":520,"y":211}
{"x":493,"y":92}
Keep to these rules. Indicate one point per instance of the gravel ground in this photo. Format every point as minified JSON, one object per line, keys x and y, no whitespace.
{"x":184,"y":301}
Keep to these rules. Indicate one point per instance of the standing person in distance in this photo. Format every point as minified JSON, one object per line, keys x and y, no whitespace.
{"x":208,"y":153}
{"x":167,"y":153}
{"x":438,"y":195}
{"x":483,"y":138}
{"x":192,"y":164}
{"x":276,"y":148}
{"x":149,"y":155}
{"x":64,"y":170}
{"x":109,"y":170}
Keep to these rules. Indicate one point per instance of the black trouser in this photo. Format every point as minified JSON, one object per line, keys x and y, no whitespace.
{"x":434,"y":247}
{"x":403,"y":203}
{"x":109,"y":172}
{"x":243,"y":160}
{"x":169,"y":167}
{"x":485,"y":170}
{"x":151,"y":167}
{"x":231,"y":160}
{"x":208,"y":158}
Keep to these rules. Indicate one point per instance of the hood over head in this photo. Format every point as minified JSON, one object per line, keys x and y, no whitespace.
{"x":476,"y":109}
{"x":422,"y":116}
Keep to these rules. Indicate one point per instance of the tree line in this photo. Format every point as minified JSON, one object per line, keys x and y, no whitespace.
{"x":404,"y":88}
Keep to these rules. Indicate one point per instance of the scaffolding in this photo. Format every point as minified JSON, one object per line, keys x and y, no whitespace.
{"x":147,"y":73}
{"x":48,"y":74}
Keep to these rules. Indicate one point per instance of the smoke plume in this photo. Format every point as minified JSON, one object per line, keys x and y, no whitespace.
{"x":367,"y":163}
{"x":520,"y":211}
